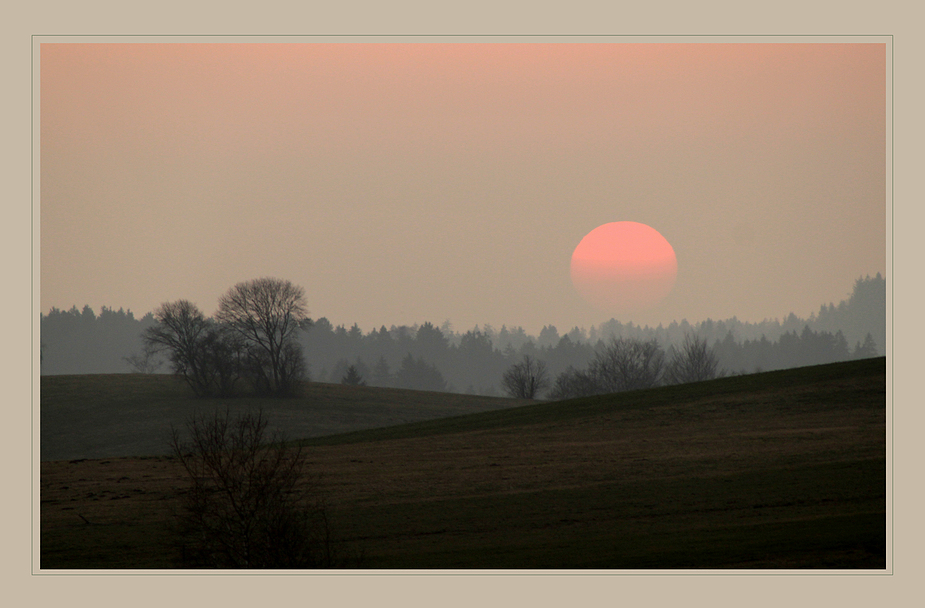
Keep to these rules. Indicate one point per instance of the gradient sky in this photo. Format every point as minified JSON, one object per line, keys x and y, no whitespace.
{"x":408,"y":182}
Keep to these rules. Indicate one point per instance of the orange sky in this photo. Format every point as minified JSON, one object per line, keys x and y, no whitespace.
{"x":403,"y":183}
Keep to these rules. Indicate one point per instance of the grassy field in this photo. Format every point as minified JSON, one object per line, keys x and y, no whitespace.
{"x":110,"y":416}
{"x":777,"y":470}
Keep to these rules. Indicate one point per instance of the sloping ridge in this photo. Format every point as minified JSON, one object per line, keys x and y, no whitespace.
{"x":747,"y":387}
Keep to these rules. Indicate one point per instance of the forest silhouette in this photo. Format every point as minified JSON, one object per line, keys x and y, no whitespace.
{"x":427,"y":357}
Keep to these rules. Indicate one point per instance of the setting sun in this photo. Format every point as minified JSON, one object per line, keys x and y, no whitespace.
{"x":624,"y":267}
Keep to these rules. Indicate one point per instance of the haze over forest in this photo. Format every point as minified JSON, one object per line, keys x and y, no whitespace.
{"x":442,"y":358}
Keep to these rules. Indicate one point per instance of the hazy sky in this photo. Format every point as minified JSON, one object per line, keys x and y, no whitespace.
{"x":402,"y":183}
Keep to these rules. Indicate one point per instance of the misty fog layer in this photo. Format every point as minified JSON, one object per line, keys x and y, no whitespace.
{"x":427,"y":357}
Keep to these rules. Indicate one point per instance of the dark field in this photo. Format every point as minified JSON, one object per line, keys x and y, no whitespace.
{"x":777,"y":470}
{"x":106,"y":416}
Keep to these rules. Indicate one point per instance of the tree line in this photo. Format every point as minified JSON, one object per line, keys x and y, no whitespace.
{"x":428,"y":357}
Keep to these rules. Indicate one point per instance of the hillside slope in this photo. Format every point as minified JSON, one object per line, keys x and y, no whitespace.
{"x":114,"y":415}
{"x":778,"y":470}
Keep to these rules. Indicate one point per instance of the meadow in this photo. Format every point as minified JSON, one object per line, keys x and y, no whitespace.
{"x":779,"y":470}
{"x":114,"y":415}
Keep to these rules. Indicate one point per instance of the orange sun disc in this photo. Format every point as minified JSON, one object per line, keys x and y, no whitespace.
{"x":624,"y":267}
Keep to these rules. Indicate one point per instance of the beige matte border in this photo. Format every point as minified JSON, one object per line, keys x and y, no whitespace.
{"x":458,"y":590}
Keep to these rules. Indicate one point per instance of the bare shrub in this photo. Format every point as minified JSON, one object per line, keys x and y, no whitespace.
{"x":693,"y":362}
{"x":573,"y":383}
{"x":247,"y":505}
{"x":525,"y":380}
{"x":627,"y":365}
{"x":144,"y":363}
{"x":620,"y":365}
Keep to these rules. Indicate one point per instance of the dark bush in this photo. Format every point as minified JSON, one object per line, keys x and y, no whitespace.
{"x":248,"y":504}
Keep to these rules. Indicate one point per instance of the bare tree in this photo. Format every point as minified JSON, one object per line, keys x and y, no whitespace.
{"x":145,"y":363}
{"x":198,"y":349}
{"x":623,"y":364}
{"x":574,"y":383}
{"x":266,"y":313}
{"x":525,"y":380}
{"x":225,"y":356}
{"x":247,"y":505}
{"x":626,"y":365}
{"x":694,"y":362}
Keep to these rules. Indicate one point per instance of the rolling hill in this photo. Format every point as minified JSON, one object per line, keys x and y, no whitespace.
{"x":783,"y":469}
